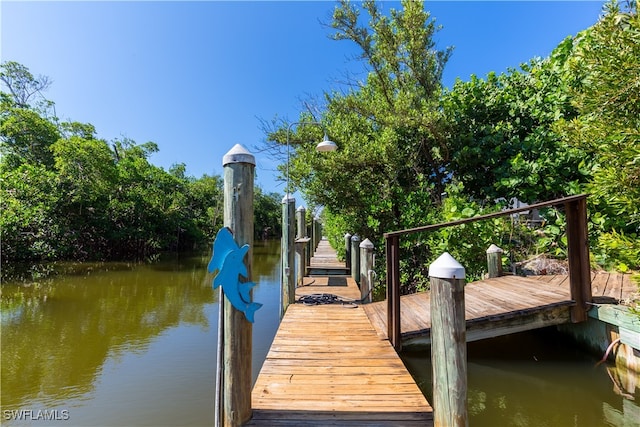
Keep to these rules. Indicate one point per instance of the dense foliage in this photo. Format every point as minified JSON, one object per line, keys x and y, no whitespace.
{"x":67,"y":194}
{"x":556,"y":126}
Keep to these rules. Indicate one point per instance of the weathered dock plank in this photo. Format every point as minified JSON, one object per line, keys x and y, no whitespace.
{"x":503,"y":305}
{"x":493,"y":307}
{"x":327,"y":366}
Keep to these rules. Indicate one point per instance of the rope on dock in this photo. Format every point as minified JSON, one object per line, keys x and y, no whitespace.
{"x":321,"y":299}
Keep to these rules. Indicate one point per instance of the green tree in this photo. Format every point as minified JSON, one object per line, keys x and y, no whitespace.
{"x":606,"y":93}
{"x":26,"y":137}
{"x":390,"y":169}
{"x":267,"y":210}
{"x":23,"y":86}
{"x":387,"y":127}
{"x":66,"y":194}
{"x":28,"y":223}
{"x":501,"y":132}
{"x":206,"y":205}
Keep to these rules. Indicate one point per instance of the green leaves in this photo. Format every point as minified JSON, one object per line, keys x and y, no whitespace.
{"x":556,"y":126}
{"x":66,"y":194}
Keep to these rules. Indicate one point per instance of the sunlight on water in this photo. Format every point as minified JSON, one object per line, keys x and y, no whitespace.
{"x":121,"y":345}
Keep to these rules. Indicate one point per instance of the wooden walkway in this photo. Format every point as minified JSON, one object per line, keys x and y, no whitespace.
{"x":325,"y":262}
{"x":503,"y":305}
{"x":328,"y":366}
{"x":333,"y":365}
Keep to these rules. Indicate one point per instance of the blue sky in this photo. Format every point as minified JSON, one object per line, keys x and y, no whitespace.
{"x":197,"y":77}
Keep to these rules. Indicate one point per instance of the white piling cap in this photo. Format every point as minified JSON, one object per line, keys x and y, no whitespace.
{"x":288,"y":198}
{"x":238,"y":154}
{"x":493,"y":249}
{"x":366,"y":244}
{"x":301,"y":208}
{"x":446,"y":267}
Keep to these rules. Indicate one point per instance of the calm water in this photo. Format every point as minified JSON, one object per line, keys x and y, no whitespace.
{"x":124,"y":345}
{"x":135,"y":345}
{"x":539,"y":379}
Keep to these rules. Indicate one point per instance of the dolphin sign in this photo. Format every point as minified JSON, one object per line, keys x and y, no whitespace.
{"x":227,"y":259}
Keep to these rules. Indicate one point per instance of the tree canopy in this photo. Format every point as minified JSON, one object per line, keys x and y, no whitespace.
{"x":67,"y":194}
{"x":412,"y":152}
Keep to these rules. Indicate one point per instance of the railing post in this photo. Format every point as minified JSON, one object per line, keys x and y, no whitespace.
{"x":287,"y":253}
{"x":366,"y":270}
{"x":394,"y":332}
{"x":347,"y":254}
{"x":448,"y":342}
{"x":578,"y":256}
{"x":239,"y":165}
{"x":494,"y":261}
{"x":355,"y":258}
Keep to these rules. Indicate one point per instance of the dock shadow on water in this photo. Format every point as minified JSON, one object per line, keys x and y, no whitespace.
{"x":116,"y":344}
{"x":539,"y":379}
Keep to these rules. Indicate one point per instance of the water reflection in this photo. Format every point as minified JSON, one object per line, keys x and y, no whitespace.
{"x":119,"y":344}
{"x":57,"y":334}
{"x":122,"y":345}
{"x":537,"y":379}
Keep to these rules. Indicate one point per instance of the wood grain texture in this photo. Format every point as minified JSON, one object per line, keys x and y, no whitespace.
{"x":503,"y":305}
{"x":327,"y":366}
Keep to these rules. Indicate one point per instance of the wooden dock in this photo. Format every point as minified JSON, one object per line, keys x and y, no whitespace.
{"x":328,"y":366}
{"x":333,"y":364}
{"x":503,"y":305}
{"x":324,"y":261}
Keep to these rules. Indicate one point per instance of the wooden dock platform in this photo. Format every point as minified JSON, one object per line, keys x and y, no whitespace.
{"x":333,"y":364}
{"x":324,"y":261}
{"x":328,"y":366}
{"x":502,"y":305}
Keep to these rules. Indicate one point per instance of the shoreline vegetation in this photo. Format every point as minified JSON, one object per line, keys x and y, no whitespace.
{"x":410,"y":153}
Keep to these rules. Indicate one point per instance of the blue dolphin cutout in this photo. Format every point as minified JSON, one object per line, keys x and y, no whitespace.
{"x":222,"y":245}
{"x":228,"y":260}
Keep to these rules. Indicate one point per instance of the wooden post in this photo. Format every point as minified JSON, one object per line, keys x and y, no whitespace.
{"x":301,"y":261}
{"x":355,"y":258}
{"x":347,"y":253}
{"x":366,"y":270}
{"x":448,"y":343}
{"x":239,"y":165}
{"x":308,"y":234}
{"x":300,"y":243}
{"x":301,"y":228}
{"x":494,"y":261}
{"x":394,"y":331}
{"x":314,"y":236}
{"x":578,"y":255}
{"x":318,"y":232}
{"x":287,"y":253}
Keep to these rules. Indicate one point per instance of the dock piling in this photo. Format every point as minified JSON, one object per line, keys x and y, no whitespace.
{"x":355,"y":258}
{"x":494,"y":261}
{"x":287,"y":248}
{"x":448,"y":342}
{"x":347,"y":251}
{"x":366,"y":270}
{"x":239,"y":165}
